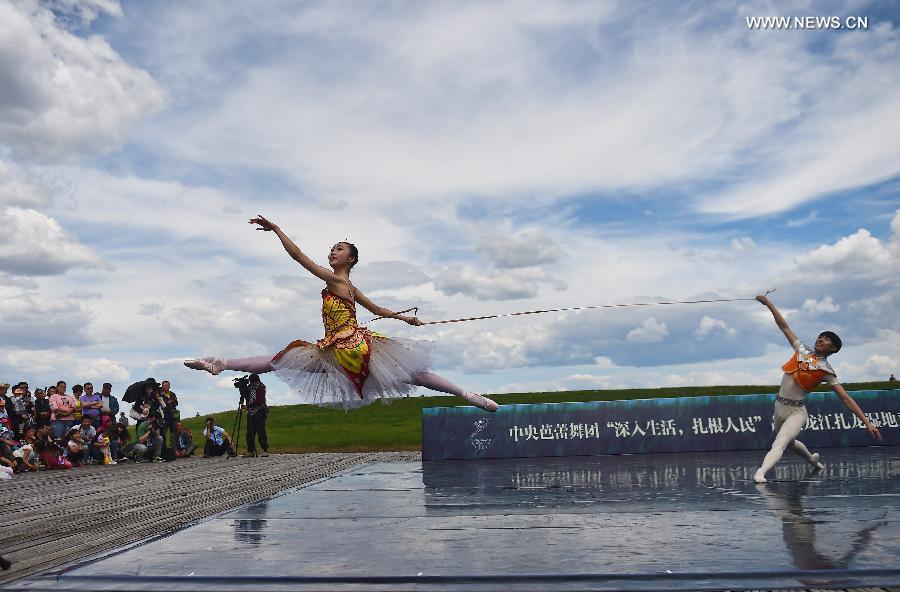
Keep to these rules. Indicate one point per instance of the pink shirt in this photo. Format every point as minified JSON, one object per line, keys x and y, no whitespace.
{"x":56,"y":401}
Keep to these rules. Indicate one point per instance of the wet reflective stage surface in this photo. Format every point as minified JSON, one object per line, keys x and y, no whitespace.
{"x":663,"y":521}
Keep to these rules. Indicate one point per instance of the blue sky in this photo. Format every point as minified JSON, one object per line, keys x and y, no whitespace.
{"x":484,"y":157}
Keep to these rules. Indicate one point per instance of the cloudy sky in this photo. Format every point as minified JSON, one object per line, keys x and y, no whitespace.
{"x":485,"y":157}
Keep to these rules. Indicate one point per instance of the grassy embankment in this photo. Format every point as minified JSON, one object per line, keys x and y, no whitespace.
{"x":398,"y":426}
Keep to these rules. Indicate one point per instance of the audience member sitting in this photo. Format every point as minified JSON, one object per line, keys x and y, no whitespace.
{"x":183,"y":441}
{"x":76,"y":451}
{"x":8,"y":442}
{"x":118,"y":434}
{"x":148,"y":444}
{"x":218,"y":442}
{"x":87,"y":434}
{"x":26,"y":455}
{"x":49,"y":450}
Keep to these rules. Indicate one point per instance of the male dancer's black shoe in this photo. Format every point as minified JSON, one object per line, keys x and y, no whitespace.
{"x":4,"y":563}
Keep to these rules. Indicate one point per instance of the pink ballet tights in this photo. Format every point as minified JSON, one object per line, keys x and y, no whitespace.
{"x":256,"y":364}
{"x":436,"y":383}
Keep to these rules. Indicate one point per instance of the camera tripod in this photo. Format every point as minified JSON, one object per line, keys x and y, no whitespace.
{"x":236,"y":430}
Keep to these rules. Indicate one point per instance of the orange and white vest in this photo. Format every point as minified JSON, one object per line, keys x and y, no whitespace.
{"x":807,"y":369}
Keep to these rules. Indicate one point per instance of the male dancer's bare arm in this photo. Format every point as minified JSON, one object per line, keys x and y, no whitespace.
{"x":779,"y":320}
{"x":847,"y":400}
{"x":381,"y":311}
{"x":296,"y":254}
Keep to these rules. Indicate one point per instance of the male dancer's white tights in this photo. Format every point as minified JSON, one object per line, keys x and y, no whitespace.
{"x":789,"y":422}
{"x":261,"y":364}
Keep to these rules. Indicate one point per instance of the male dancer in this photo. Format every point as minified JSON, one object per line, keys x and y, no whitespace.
{"x":802,"y":373}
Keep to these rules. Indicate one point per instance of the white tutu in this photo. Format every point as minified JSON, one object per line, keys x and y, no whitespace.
{"x":317,"y":376}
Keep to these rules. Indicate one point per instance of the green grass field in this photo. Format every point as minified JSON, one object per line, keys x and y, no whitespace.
{"x":398,"y":426}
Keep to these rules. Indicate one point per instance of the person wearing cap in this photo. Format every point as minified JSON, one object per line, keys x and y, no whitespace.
{"x":805,"y":370}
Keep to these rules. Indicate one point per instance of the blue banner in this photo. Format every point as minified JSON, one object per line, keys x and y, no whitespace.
{"x":732,"y":422}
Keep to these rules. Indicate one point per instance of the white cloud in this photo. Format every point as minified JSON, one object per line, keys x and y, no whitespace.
{"x":527,"y":248}
{"x":826,"y":305}
{"x":65,"y":97}
{"x":742,"y":243}
{"x":17,"y":189}
{"x":858,"y":251}
{"x":709,"y":324}
{"x":34,"y":244}
{"x":493,"y":285}
{"x":650,"y":331}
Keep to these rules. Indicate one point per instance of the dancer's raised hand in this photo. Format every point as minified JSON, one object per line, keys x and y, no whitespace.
{"x":264,"y":224}
{"x":412,"y":321}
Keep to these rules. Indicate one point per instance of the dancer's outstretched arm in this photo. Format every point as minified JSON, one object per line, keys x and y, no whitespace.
{"x":779,"y":320}
{"x":847,"y":400}
{"x":296,"y":254}
{"x":382,"y":312}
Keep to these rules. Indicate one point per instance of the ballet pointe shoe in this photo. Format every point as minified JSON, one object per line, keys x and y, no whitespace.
{"x":759,"y":477}
{"x":211,"y":365}
{"x":816,"y":464}
{"x":479,"y":401}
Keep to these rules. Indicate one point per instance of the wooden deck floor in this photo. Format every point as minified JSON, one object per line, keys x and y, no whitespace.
{"x":52,"y":518}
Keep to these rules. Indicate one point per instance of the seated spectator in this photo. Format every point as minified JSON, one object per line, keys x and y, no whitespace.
{"x":5,"y":419}
{"x":218,"y":442}
{"x":118,"y":433}
{"x":183,"y":441}
{"x":8,"y":443}
{"x":26,"y":455}
{"x":88,"y":435}
{"x":91,"y":404}
{"x":149,"y":442}
{"x":76,"y":451}
{"x":41,"y":407}
{"x":49,"y":450}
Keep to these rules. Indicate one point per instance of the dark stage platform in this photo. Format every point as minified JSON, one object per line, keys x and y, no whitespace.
{"x":646,"y":522}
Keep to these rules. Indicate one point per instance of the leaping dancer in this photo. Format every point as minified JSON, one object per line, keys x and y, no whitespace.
{"x":802,"y":373}
{"x":351,"y":366}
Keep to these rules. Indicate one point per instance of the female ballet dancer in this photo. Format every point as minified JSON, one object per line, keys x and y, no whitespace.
{"x":351,"y":366}
{"x":806,"y":369}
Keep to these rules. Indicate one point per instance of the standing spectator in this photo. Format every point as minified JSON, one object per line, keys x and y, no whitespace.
{"x":149,"y":442}
{"x":256,"y":416}
{"x":123,"y":419}
{"x":41,"y":407}
{"x":77,"y":391}
{"x":892,"y":379}
{"x":88,"y":435}
{"x":4,"y":390}
{"x":5,"y":419}
{"x":110,"y":405}
{"x":170,"y":408}
{"x":218,"y":442}
{"x":183,"y":441}
{"x":23,"y":407}
{"x":62,"y":411}
{"x":91,"y":404}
